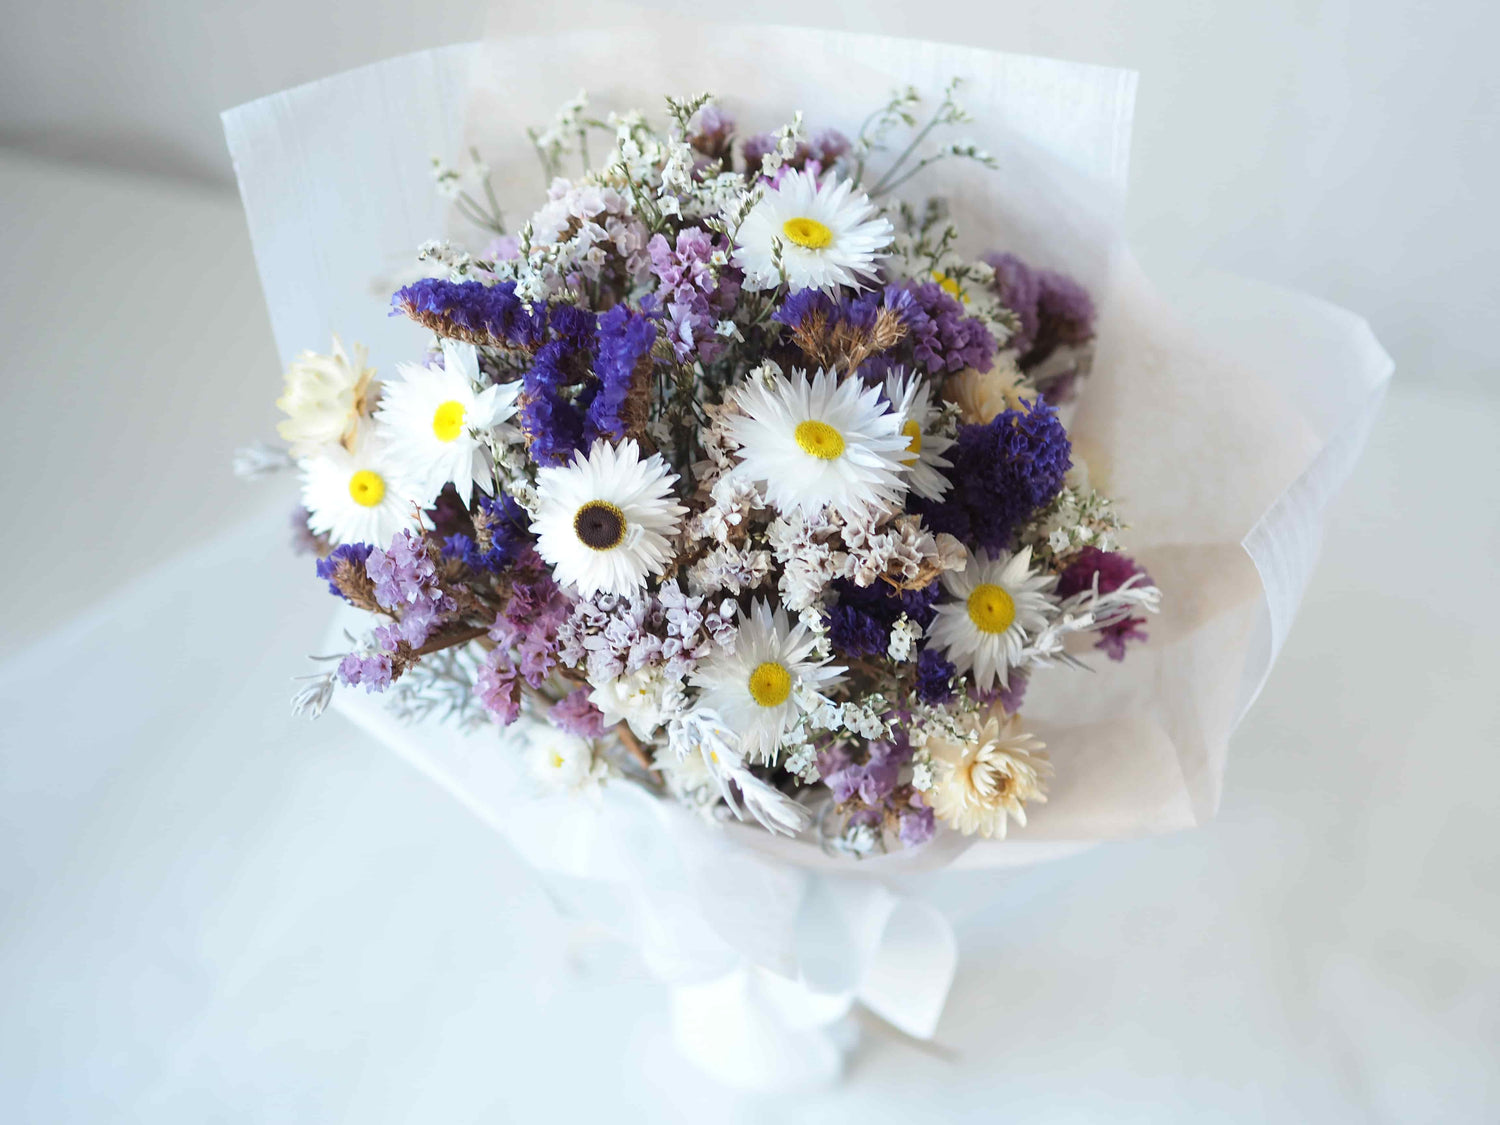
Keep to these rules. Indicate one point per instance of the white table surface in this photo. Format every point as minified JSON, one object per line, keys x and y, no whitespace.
{"x":210,"y":911}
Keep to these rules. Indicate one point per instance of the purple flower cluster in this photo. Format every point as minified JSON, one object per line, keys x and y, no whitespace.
{"x":350,"y":555}
{"x":498,"y":686}
{"x":860,"y":619}
{"x":816,"y":154}
{"x":528,"y":625}
{"x":934,"y":678}
{"x":505,"y":527}
{"x":696,"y":294}
{"x":713,"y":132}
{"x":1113,"y":571}
{"x":1008,"y":697}
{"x":405,"y":579}
{"x":858,"y":311}
{"x":373,"y":669}
{"x":1053,"y":309}
{"x":552,"y":422}
{"x":874,"y":784}
{"x":1002,"y":473}
{"x":577,"y":715}
{"x":940,"y":336}
{"x":471,"y":308}
{"x":624,"y":340}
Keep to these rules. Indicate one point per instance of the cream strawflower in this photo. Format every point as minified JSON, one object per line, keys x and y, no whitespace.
{"x":827,"y":235}
{"x":987,"y":778}
{"x":924,"y":459}
{"x":818,"y":442}
{"x":754,"y":688}
{"x":981,"y":395}
{"x":435,"y":422}
{"x":604,"y":520}
{"x":998,"y":604}
{"x":324,"y":398}
{"x":353,"y":497}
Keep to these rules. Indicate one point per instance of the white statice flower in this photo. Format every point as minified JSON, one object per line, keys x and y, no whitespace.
{"x":437,"y":424}
{"x":354,"y":497}
{"x":982,"y":781}
{"x":998,"y":603}
{"x":926,"y":443}
{"x":753,"y":687}
{"x":324,"y":398}
{"x":905,"y":634}
{"x":604,"y":521}
{"x":824,"y":235}
{"x":558,"y":760}
{"x":818,"y":442}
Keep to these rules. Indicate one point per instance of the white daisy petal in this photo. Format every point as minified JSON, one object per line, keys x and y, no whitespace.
{"x":826,"y":234}
{"x":604,"y":521}
{"x":912,"y":396}
{"x":355,"y":497}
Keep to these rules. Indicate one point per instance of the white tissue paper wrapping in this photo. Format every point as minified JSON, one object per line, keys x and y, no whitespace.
{"x":1224,"y":426}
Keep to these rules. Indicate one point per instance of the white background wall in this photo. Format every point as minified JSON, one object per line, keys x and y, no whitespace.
{"x":1344,"y":147}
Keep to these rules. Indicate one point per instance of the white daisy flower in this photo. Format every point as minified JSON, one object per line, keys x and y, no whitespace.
{"x":559,"y":760}
{"x":820,"y":442}
{"x":986,"y":779}
{"x":925,"y":446}
{"x":435,"y":422}
{"x":754,"y":687}
{"x":353,"y":497}
{"x":604,"y":521}
{"x":999,"y":604}
{"x":827,"y":235}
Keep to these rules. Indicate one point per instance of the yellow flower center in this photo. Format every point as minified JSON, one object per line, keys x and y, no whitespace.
{"x":948,"y":285}
{"x":770,"y":684}
{"x":820,"y":440}
{"x":557,"y":760}
{"x":991,"y":608}
{"x":448,"y":420}
{"x":913,"y":434}
{"x":367,"y":488}
{"x":807,"y":233}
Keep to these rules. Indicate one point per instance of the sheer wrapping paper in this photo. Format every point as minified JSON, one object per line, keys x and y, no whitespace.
{"x":1223,"y":426}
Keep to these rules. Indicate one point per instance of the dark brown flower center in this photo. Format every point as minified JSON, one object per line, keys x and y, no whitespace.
{"x":599,"y":525}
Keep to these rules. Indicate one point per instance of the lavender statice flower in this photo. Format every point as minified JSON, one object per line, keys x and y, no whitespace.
{"x":871,"y":780}
{"x":1053,"y":309}
{"x":529,"y":624}
{"x":941,"y":337}
{"x":816,"y":155}
{"x":406,"y":583}
{"x":1003,"y":472}
{"x":917,"y":823}
{"x":577,"y":715}
{"x":695,"y":293}
{"x":712,"y":132}
{"x":472,"y":311}
{"x":499,"y":687}
{"x":1113,"y":571}
{"x":372,"y":669}
{"x":345,"y":558}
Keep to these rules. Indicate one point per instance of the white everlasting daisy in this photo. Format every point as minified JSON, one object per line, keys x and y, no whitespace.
{"x":999,"y":603}
{"x":826,"y":235}
{"x":353,"y":497}
{"x":559,"y":760}
{"x":924,"y":459}
{"x":604,"y":520}
{"x":325,"y":398}
{"x":754,"y":688}
{"x":819,"y":442}
{"x":985,"y":780}
{"x":435,"y":422}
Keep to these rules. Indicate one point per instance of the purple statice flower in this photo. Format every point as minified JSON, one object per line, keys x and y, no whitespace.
{"x":371,"y":669}
{"x":472,"y":309}
{"x":501,"y":248}
{"x":934,"y":678}
{"x":1053,"y":309}
{"x":872,"y":780}
{"x":940,"y":336}
{"x":577,"y":715}
{"x":529,"y":624}
{"x":1003,"y":472}
{"x":348,"y":554}
{"x":755,"y":148}
{"x":506,"y":527}
{"x":858,"y":311}
{"x":827,"y":147}
{"x":815,"y":155}
{"x":1113,"y":571}
{"x":405,"y":579}
{"x":860,"y":620}
{"x":499,"y":687}
{"x":713,"y":132}
{"x":1008,"y":697}
{"x":918,"y":823}
{"x":696,"y":295}
{"x":553,"y":425}
{"x":624,"y":347}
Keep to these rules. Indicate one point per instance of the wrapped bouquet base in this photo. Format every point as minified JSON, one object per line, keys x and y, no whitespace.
{"x":1222,"y":428}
